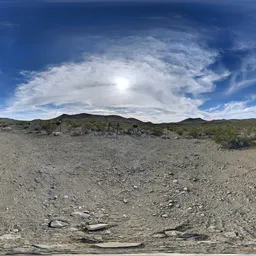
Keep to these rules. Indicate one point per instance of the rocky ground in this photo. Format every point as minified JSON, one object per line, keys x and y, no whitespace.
{"x":172,"y":195}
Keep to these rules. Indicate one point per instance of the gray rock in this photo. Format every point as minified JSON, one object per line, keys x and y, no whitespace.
{"x":165,"y":215}
{"x":7,"y":129}
{"x":81,"y":215}
{"x":117,"y":245}
{"x":57,"y":133}
{"x":172,"y":233}
{"x":230,"y":234}
{"x":57,"y":224}
{"x":212,"y":229}
{"x":96,"y":227}
{"x":158,"y":235}
{"x":72,"y":229}
{"x":43,"y":246}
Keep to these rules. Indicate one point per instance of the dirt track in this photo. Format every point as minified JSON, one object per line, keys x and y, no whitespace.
{"x":139,"y":186}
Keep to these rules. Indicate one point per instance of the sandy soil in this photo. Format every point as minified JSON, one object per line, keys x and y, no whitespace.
{"x":141,"y":187}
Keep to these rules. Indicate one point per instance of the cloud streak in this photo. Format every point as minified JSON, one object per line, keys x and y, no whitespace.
{"x":168,"y":74}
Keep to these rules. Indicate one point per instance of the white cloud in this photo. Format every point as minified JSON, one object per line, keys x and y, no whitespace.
{"x":245,"y":76}
{"x":167,"y":78}
{"x":233,"y":110}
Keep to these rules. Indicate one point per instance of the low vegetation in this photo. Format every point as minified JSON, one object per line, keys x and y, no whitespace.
{"x":229,"y":136}
{"x":235,"y":134}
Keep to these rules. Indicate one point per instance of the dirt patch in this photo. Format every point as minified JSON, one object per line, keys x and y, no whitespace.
{"x":184,"y":195}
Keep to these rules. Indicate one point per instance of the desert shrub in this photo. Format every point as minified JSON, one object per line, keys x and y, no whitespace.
{"x":48,"y":126}
{"x":156,"y":131}
{"x":249,"y":132}
{"x":179,"y":130}
{"x":210,"y":130}
{"x":229,"y":139}
{"x":194,"y":132}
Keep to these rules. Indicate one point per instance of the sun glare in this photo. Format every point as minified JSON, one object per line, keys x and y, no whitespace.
{"x":122,"y":83}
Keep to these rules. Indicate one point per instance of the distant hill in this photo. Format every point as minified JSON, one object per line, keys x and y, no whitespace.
{"x":119,"y":119}
{"x":193,"y":121}
{"x":90,"y":117}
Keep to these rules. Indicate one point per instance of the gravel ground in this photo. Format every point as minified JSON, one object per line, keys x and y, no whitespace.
{"x":173,"y":195}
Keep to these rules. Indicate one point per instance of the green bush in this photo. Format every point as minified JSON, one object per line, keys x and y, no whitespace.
{"x":210,"y":130}
{"x":194,"y":132}
{"x":156,"y":132}
{"x":179,"y":130}
{"x":229,"y":139}
{"x":48,"y":126}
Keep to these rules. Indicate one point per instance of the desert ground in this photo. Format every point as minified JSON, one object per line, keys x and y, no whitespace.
{"x":168,"y":195}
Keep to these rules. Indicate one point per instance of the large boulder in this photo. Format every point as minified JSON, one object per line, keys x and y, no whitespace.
{"x":7,"y":129}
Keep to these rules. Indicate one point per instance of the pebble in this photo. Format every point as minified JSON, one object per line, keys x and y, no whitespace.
{"x":72,"y":229}
{"x":175,"y":181}
{"x":165,"y":215}
{"x":80,"y":215}
{"x":159,"y":236}
{"x":230,"y":234}
{"x":172,"y":233}
{"x":57,"y":224}
{"x":57,"y":133}
{"x":212,"y":229}
{"x":125,"y":201}
{"x":43,"y":246}
{"x":95,"y":227}
{"x":116,"y":245}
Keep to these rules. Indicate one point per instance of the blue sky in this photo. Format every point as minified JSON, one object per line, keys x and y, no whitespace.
{"x":152,"y":60}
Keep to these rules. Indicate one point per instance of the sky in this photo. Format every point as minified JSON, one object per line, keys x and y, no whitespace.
{"x":158,"y":61}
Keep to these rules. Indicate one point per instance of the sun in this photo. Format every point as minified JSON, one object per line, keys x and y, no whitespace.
{"x":122,"y":83}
